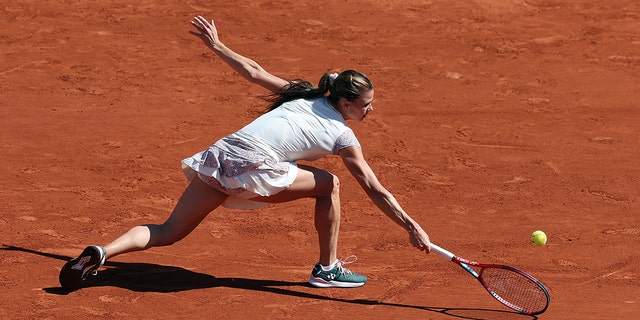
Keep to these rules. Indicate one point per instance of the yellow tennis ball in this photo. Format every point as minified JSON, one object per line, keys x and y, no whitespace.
{"x":539,"y":238}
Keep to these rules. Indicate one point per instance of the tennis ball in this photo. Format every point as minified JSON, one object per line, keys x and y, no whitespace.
{"x":539,"y":238}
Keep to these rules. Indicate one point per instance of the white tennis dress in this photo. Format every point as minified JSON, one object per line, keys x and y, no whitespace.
{"x":259,"y":159}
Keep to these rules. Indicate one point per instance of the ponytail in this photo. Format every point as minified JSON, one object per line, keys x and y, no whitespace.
{"x":347,"y":84}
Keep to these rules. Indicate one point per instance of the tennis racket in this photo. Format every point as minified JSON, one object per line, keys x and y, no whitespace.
{"x":514,"y":288}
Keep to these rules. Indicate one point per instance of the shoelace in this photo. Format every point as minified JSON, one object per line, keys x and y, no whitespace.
{"x":348,"y":260}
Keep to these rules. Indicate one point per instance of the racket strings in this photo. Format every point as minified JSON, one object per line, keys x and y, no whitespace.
{"x":515,"y":290}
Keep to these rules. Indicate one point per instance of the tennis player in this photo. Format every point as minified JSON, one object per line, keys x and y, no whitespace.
{"x":256,"y":165}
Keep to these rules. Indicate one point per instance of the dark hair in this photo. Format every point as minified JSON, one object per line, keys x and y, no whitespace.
{"x":348,"y":84}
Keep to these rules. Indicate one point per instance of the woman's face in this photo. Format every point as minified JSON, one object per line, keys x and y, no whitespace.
{"x":358,"y":108}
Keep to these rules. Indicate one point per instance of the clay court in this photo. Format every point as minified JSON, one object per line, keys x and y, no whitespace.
{"x":493,"y":118}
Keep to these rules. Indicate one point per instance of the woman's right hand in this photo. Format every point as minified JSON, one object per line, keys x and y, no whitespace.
{"x":420,"y":239}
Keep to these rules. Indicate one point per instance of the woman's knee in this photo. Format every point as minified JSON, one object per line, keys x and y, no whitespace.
{"x":165,"y":234}
{"x":329,"y":183}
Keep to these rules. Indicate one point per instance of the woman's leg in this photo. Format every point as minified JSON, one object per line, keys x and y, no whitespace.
{"x":198,"y":200}
{"x":325,"y":188}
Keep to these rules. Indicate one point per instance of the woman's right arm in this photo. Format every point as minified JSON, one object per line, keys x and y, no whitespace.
{"x":382,"y":198}
{"x":246,"y":67}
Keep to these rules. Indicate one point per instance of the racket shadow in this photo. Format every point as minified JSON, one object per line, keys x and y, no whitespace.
{"x":148,"y":277}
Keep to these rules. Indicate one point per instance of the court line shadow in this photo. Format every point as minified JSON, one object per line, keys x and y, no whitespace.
{"x":147,"y":277}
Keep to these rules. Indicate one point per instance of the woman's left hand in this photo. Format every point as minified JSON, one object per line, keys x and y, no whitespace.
{"x":208,"y":32}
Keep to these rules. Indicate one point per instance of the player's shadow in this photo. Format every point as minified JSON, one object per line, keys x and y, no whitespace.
{"x":147,"y":277}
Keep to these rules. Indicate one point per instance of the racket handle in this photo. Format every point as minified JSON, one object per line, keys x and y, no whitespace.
{"x":442,"y":251}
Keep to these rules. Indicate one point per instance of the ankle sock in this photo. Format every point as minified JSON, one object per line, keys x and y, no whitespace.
{"x":329,"y":267}
{"x":104,"y":254}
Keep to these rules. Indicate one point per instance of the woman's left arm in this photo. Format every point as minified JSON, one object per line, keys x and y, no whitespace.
{"x":381,"y":197}
{"x":248,"y":68}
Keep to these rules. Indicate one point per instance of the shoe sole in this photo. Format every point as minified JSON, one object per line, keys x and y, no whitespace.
{"x":321,"y":283}
{"x":76,"y":269}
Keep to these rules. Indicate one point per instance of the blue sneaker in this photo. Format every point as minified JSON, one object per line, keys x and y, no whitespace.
{"x":77,"y":269}
{"x":338,"y":277}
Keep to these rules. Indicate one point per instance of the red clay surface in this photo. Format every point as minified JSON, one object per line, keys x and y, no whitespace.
{"x":493,"y":118}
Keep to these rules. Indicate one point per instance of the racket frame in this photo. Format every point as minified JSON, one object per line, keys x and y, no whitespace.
{"x":466,"y":265}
